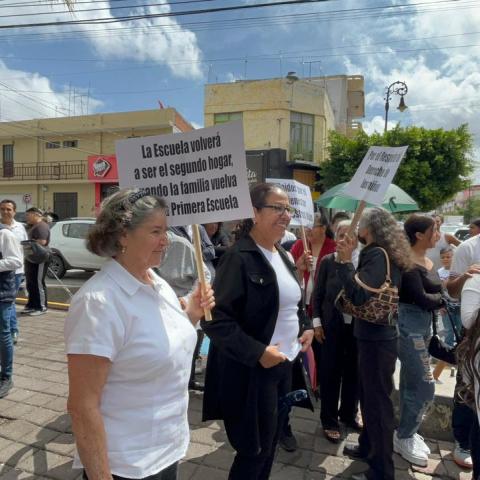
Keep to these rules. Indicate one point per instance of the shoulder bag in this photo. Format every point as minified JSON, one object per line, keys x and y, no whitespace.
{"x":381,"y":308}
{"x":439,"y":349}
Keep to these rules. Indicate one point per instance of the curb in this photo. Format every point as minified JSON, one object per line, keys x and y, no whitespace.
{"x":52,"y":305}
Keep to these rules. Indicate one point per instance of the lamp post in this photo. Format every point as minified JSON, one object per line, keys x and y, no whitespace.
{"x":398,"y":88}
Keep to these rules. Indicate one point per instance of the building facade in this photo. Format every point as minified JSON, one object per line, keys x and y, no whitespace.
{"x":67,"y":165}
{"x":291,"y":114}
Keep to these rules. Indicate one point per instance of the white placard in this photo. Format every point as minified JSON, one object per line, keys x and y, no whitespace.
{"x":300,"y":198}
{"x":375,"y":174}
{"x":201,"y":174}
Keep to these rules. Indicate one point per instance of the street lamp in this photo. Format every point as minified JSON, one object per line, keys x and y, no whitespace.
{"x":399,"y":88}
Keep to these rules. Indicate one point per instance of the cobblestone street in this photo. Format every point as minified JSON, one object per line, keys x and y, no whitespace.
{"x":36,"y":440}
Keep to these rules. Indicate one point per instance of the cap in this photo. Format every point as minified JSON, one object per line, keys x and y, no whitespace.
{"x":34,"y":210}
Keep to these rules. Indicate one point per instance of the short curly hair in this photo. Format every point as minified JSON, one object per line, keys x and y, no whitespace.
{"x":123,"y":211}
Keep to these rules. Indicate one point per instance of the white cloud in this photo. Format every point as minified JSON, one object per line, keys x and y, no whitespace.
{"x":196,"y":125}
{"x":20,"y":99}
{"x":172,"y":45}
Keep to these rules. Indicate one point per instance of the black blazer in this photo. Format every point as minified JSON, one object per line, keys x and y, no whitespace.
{"x":244,"y":319}
{"x":327,"y":287}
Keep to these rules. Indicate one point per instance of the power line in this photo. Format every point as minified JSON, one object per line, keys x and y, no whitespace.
{"x":100,"y":21}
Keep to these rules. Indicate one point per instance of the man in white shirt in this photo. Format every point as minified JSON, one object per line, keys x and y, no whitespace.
{"x":8,"y":209}
{"x":465,"y":264}
{"x":10,"y":259}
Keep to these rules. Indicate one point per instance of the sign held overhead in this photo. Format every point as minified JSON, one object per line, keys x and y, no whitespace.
{"x":375,"y":174}
{"x":300,"y":198}
{"x":201,"y":174}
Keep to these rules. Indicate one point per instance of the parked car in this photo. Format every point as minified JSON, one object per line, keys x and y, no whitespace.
{"x":67,"y":242}
{"x":462,"y":233}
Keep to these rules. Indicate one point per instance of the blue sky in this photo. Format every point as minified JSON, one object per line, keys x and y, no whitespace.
{"x":432,"y":45}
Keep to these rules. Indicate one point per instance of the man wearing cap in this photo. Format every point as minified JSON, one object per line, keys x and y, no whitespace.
{"x":35,"y":273}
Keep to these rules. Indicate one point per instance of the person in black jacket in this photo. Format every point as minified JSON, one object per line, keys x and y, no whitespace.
{"x":420,"y":296}
{"x":259,"y":326}
{"x":377,"y":344}
{"x":337,"y":352}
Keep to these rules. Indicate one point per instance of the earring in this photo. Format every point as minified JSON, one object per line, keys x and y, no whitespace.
{"x":123,"y":250}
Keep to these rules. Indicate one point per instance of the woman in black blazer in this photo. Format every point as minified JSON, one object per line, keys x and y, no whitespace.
{"x":337,"y":352}
{"x":258,"y":328}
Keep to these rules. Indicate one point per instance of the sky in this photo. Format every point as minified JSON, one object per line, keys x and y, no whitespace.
{"x":431,"y":45}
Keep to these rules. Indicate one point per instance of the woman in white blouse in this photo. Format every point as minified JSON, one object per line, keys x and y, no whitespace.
{"x":130,"y":346}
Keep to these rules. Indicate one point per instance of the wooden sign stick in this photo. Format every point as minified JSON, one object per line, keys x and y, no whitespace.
{"x":197,"y":244}
{"x":356,"y":218}
{"x":304,"y":239}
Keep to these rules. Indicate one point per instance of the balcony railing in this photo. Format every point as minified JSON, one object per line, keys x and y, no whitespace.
{"x":46,"y":171}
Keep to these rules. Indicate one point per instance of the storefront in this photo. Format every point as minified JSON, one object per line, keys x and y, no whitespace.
{"x":103,"y":172}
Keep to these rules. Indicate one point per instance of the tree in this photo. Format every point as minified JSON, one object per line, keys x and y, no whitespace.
{"x":436,"y":166}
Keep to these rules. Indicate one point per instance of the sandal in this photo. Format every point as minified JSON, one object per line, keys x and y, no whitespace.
{"x":332,"y":435}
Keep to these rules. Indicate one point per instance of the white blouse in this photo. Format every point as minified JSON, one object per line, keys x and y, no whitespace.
{"x":150,"y":341}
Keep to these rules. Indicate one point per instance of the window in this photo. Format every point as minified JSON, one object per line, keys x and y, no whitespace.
{"x":70,"y":143}
{"x":76,"y":230}
{"x":8,"y":168}
{"x":301,"y":136}
{"x":52,"y":145}
{"x":227,"y":117}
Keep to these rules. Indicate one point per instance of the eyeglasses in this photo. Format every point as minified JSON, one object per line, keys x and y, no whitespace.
{"x":280,"y":209}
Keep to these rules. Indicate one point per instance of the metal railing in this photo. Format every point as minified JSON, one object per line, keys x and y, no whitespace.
{"x":46,"y":171}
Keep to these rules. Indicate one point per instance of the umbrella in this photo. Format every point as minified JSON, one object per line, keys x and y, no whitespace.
{"x":395,"y":200}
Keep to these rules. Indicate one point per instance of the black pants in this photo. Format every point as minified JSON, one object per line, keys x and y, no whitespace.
{"x":463,"y":418}
{"x":35,"y":283}
{"x":170,"y":473}
{"x":376,"y":365}
{"x":475,"y":446}
{"x":338,"y":375}
{"x":273,"y":384}
{"x":196,"y":353}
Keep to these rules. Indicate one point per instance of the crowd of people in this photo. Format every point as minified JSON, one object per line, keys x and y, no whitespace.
{"x":329,"y":314}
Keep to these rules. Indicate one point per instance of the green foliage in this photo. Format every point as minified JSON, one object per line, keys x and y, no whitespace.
{"x":436,"y":166}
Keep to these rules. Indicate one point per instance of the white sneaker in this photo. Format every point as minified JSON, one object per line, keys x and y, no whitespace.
{"x":409,"y":449}
{"x":421,"y":443}
{"x":462,"y":457}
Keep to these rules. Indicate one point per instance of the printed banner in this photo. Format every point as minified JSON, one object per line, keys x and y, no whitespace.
{"x":375,"y":174}
{"x":300,"y":198}
{"x":201,"y":174}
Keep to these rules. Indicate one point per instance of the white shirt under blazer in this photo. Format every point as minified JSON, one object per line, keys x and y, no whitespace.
{"x":150,"y":342}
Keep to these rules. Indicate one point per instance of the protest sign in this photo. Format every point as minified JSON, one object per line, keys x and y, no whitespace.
{"x":372,"y":178}
{"x":375,"y":174}
{"x":201,"y":174}
{"x":300,"y":198}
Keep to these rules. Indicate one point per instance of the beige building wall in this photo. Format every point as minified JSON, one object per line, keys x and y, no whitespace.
{"x":266,"y":107}
{"x":35,"y":165}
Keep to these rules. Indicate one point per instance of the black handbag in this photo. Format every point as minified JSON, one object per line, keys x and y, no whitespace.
{"x":438,"y":349}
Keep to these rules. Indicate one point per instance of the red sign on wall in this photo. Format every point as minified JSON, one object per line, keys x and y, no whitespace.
{"x":102,"y":168}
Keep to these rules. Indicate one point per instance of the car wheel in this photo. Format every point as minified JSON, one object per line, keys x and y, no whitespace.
{"x":56,"y":266}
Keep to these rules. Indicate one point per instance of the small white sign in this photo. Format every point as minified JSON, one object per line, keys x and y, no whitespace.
{"x":375,"y":174}
{"x":202,"y":174}
{"x":27,"y":198}
{"x":300,"y":198}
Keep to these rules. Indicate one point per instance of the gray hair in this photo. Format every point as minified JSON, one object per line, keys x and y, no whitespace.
{"x":342,"y":224}
{"x":389,"y":235}
{"x":123,"y":211}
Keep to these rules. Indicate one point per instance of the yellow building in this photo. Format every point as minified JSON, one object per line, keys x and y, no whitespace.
{"x":66,"y":165}
{"x":291,"y":114}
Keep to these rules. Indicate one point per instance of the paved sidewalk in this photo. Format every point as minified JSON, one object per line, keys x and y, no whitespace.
{"x":36,"y":440}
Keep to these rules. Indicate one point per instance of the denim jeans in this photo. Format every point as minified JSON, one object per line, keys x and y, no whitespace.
{"x":417,"y":386}
{"x":6,"y":344}
{"x":13,"y":310}
{"x":447,"y":324}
